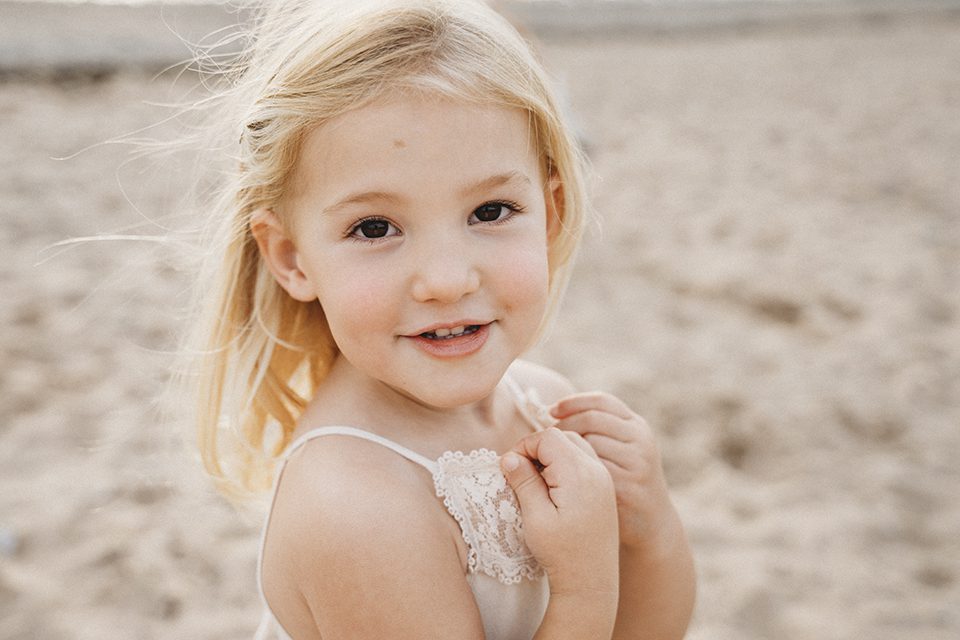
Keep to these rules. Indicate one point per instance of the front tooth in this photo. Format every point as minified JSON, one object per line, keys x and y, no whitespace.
{"x":458,"y":330}
{"x":442,"y":333}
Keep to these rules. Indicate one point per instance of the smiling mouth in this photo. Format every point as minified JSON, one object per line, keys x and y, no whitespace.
{"x":449,"y":334}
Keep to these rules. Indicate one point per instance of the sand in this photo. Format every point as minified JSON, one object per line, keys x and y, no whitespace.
{"x":774,"y":285}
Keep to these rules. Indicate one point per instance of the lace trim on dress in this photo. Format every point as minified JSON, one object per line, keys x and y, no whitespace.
{"x":476,"y":493}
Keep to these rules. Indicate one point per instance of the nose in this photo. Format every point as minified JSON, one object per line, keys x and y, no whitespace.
{"x":445,"y":271}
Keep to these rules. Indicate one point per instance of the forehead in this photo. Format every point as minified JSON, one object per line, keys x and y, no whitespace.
{"x":415,"y":142}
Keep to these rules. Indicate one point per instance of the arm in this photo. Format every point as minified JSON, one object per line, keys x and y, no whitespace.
{"x":657,"y":588}
{"x":577,"y":616}
{"x":657,"y":581}
{"x":358,"y":549}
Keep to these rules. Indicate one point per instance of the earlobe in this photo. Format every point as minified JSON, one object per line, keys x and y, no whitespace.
{"x":279,"y":253}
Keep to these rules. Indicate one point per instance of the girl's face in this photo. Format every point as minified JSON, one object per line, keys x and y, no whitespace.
{"x":421,"y":226}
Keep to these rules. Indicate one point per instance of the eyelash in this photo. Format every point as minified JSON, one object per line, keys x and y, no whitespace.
{"x":509,"y":204}
{"x":353,"y":233}
{"x":513,"y":207}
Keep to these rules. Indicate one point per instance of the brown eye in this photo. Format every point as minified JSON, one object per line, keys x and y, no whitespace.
{"x":373,"y":228}
{"x":492,"y":212}
{"x":489,"y":212}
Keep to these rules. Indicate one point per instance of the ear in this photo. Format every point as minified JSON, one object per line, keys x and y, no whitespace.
{"x":553,"y":195}
{"x":280,"y":254}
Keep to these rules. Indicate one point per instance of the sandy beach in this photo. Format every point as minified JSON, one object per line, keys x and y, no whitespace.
{"x":774,"y":284}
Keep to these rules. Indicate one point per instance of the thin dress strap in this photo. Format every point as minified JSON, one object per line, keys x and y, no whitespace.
{"x":409,"y":454}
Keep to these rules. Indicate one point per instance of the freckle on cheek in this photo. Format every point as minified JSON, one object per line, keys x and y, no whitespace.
{"x":399,"y":144}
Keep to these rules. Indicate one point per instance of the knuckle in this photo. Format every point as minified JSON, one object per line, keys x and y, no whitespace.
{"x":596,"y":470}
{"x":554,"y":434}
{"x":643,"y":436}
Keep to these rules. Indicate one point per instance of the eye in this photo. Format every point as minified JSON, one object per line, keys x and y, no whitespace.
{"x":373,"y":228}
{"x":494,"y":212}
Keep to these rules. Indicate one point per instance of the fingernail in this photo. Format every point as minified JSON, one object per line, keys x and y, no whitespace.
{"x":510,"y":461}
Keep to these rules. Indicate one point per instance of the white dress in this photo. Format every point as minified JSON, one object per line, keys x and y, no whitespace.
{"x":508,"y":584}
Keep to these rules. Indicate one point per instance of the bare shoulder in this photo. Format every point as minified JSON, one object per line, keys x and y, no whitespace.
{"x":335,"y":481}
{"x":358,"y":547}
{"x":549,"y":385}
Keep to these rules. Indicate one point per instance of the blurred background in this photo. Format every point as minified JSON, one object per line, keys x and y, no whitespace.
{"x":774,"y":283}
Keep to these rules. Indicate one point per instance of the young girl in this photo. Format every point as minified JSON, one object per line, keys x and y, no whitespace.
{"x":404,"y":207}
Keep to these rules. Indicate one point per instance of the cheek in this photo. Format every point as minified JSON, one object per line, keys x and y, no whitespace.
{"x":355,"y":301}
{"x":526,"y":279}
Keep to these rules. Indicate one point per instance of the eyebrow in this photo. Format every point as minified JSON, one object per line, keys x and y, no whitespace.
{"x":492,"y":182}
{"x":496,"y":181}
{"x":362,"y":198}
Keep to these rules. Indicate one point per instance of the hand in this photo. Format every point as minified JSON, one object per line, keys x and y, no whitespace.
{"x":625,"y":445}
{"x":569,"y":511}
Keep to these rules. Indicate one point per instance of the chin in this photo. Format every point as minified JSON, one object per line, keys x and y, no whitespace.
{"x":457,"y":389}
{"x":452,"y":398}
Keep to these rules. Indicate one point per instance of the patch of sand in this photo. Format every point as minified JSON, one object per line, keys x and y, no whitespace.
{"x":774,"y":285}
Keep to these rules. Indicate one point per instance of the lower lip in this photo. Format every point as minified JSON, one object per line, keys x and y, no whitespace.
{"x":460,"y":346}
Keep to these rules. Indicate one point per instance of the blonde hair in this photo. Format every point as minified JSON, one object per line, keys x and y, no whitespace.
{"x":261,"y":354}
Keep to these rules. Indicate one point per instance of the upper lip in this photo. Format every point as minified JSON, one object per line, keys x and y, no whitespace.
{"x":447,"y":325}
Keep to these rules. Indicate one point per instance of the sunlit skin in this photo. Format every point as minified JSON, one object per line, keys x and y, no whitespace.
{"x":421,"y":224}
{"x":414,"y":214}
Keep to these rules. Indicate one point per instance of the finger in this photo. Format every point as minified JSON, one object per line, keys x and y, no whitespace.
{"x":593,"y":400}
{"x":619,"y":454}
{"x":578,"y":440}
{"x":602,"y":423}
{"x":547,"y":447}
{"x":526,"y":481}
